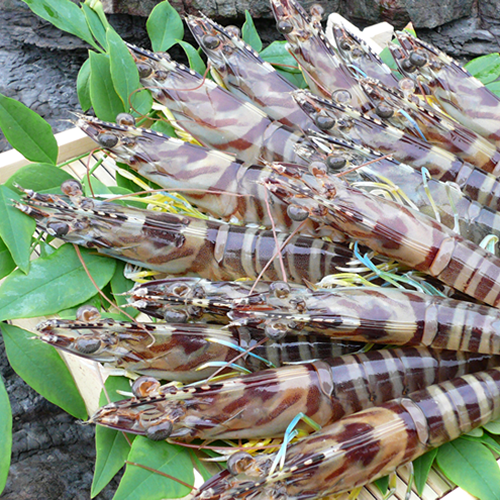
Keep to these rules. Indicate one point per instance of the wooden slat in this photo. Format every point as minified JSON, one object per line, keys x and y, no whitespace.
{"x":72,"y":142}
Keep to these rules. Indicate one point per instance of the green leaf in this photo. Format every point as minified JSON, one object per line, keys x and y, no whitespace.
{"x":27,"y":132}
{"x":95,"y":24}
{"x":200,"y":467}
{"x":16,"y":229}
{"x":277,"y":54}
{"x":140,"y":484}
{"x":39,"y":177}
{"x":421,"y":467}
{"x":164,"y":27}
{"x":297,"y":79}
{"x":494,"y":87}
{"x":54,"y":283}
{"x":119,"y":285}
{"x":387,"y":58}
{"x":7,"y":264}
{"x":105,"y":101}
{"x":478,"y":432}
{"x":382,"y":483}
{"x":112,"y":448}
{"x":485,"y":68}
{"x":493,"y":427}
{"x":5,"y":435}
{"x":83,"y":86}
{"x":472,"y":467}
{"x":164,"y":128}
{"x":98,"y":187}
{"x":195,"y":60}
{"x":65,"y":15}
{"x":249,"y":33}
{"x":41,"y":367}
{"x":125,"y":75}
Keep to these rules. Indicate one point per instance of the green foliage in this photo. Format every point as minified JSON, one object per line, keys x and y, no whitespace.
{"x":16,"y":229}
{"x":164,"y":27}
{"x":39,"y":177}
{"x":27,"y":132}
{"x":249,"y":33}
{"x":421,"y":467}
{"x":5,"y":435}
{"x":40,"y":366}
{"x":125,"y":76}
{"x":471,"y":466}
{"x":7,"y":263}
{"x":83,"y":86}
{"x":65,"y":15}
{"x":141,"y":484}
{"x":195,"y":61}
{"x":105,"y":100}
{"x":112,"y":448}
{"x":54,"y":283}
{"x":485,"y":68}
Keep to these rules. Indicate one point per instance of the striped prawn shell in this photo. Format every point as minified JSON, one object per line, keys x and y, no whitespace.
{"x":460,"y":94}
{"x":180,"y":245}
{"x":216,"y":182}
{"x":212,"y":115}
{"x":436,"y":127}
{"x":369,"y":444}
{"x":245,"y":74}
{"x":475,"y":222}
{"x":397,"y":232}
{"x":182,"y":352}
{"x":386,"y":316}
{"x":263,"y":404}
{"x":346,"y":122}
{"x":359,"y":57}
{"x":202,"y":299}
{"x":323,"y":70}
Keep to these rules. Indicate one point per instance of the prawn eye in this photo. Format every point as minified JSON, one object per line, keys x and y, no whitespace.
{"x":384,"y":111}
{"x":144,"y":386}
{"x":280,"y":289}
{"x":296,"y":213}
{"x":58,"y":229}
{"x":284,"y":26}
{"x":87,"y":345}
{"x":276,"y":330}
{"x":72,"y":187}
{"x":125,"y":119}
{"x":318,"y":168}
{"x":144,"y":70}
{"x":160,"y":432}
{"x":239,"y":462}
{"x":210,"y":41}
{"x":172,"y":316}
{"x":408,"y":66}
{"x":418,"y":59}
{"x":324,"y":122}
{"x":107,"y":140}
{"x":335,"y":162}
{"x":161,"y":75}
{"x":179,"y":289}
{"x":233,"y":31}
{"x":341,"y":96}
{"x":317,"y":11}
{"x":345,"y":45}
{"x":357,"y":53}
{"x":87,"y":313}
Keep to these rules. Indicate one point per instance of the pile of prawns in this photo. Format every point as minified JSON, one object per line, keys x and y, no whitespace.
{"x":292,"y":182}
